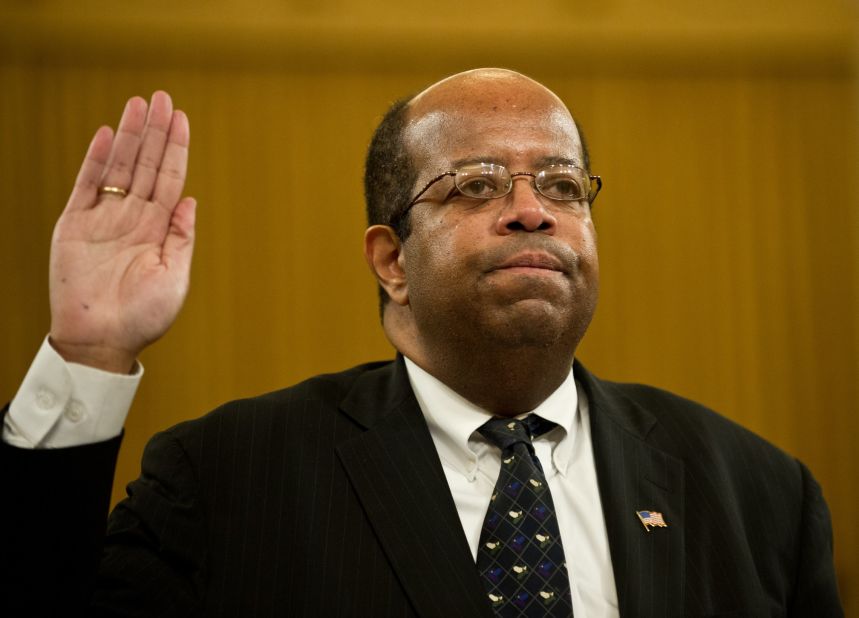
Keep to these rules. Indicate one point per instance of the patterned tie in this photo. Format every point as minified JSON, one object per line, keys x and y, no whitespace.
{"x":520,"y":556}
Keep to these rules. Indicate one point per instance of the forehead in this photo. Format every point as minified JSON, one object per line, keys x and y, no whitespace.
{"x":518,"y":124}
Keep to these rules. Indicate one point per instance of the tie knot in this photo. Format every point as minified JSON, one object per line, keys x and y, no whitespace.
{"x":506,"y":432}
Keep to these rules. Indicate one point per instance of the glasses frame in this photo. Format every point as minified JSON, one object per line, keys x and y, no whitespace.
{"x":592,"y":194}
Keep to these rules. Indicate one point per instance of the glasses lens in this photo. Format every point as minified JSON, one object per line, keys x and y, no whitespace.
{"x":483,"y":180}
{"x":563,"y":182}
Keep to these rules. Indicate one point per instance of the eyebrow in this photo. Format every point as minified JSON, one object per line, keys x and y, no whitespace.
{"x":545,"y":161}
{"x":454,"y":165}
{"x":539,"y":163}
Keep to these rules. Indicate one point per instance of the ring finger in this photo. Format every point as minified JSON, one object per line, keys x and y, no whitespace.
{"x":123,"y":153}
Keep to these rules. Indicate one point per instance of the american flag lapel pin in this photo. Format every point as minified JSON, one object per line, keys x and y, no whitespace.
{"x":651,"y":519}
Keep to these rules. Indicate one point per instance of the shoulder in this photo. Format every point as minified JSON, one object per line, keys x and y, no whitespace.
{"x":710,"y":445}
{"x":323,"y":389}
{"x":687,"y":425}
{"x":301,"y":409}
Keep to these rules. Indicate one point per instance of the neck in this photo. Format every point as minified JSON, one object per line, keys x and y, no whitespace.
{"x":502,"y":379}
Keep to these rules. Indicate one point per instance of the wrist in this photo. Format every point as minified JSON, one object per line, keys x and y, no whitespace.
{"x":105,"y":358}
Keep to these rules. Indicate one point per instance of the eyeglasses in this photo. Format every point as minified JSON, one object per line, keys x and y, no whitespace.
{"x":487,"y":181}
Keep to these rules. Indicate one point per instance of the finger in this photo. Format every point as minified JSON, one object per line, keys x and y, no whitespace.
{"x":125,"y":145}
{"x":152,"y":147}
{"x":179,"y":244}
{"x":85,"y":192}
{"x":174,"y":164}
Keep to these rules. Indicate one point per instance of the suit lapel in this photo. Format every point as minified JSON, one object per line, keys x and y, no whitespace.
{"x":649,"y":567}
{"x":395,"y":471}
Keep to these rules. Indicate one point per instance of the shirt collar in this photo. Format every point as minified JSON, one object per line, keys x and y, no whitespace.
{"x":452,"y":420}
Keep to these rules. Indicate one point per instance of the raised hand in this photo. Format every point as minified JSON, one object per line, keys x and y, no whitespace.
{"x":121,"y":257}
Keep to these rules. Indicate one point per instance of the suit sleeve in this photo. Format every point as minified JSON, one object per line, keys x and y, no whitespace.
{"x":55,"y":503}
{"x":154,"y":554}
{"x":58,"y":555}
{"x":816,"y":588}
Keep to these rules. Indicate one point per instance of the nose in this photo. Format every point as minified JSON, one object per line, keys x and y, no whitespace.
{"x":524,"y":210}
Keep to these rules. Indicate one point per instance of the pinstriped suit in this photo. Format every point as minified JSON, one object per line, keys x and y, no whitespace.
{"x":328,"y":499}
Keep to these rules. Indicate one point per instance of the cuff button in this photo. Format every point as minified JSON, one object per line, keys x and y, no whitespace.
{"x":45,"y":399}
{"x":74,"y":411}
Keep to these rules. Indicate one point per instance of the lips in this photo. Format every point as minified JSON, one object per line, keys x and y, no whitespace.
{"x":532,"y":260}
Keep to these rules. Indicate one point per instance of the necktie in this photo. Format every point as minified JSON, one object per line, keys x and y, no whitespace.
{"x":520,"y":556}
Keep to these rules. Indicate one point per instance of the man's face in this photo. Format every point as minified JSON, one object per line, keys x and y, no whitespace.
{"x":519,"y":270}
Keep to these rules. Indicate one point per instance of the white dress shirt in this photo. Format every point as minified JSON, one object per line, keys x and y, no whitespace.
{"x":62,"y":404}
{"x":471,"y":465}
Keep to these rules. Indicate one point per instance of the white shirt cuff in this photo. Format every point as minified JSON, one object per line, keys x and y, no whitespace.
{"x":62,"y":404}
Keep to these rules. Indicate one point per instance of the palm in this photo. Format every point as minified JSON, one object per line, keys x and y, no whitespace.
{"x":120,"y":265}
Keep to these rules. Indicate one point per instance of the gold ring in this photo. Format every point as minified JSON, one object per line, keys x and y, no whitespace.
{"x":113,"y":191}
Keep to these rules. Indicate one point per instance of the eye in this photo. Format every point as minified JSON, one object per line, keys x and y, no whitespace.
{"x":483,"y":180}
{"x":561,"y":184}
{"x":478,"y":186}
{"x":566,"y":187}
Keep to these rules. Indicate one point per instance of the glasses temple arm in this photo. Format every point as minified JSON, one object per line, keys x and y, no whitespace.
{"x":593,"y":194}
{"x":403,"y":214}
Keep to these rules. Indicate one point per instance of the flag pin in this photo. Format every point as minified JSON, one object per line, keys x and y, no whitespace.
{"x":651,"y":519}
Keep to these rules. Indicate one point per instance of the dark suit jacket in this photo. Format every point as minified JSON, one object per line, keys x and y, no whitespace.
{"x":328,"y":499}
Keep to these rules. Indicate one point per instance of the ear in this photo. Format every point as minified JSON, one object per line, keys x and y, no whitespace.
{"x":383,"y":252}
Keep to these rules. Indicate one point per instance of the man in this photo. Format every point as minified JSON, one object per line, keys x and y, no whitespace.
{"x":379,"y":491}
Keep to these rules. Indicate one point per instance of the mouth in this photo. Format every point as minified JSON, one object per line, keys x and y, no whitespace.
{"x":532,"y":262}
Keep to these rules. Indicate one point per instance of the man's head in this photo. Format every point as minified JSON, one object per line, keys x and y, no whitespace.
{"x":390,"y":173}
{"x":508,"y":276}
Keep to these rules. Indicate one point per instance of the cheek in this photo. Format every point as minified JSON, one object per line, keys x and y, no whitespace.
{"x":585,"y":245}
{"x":441,"y":262}
{"x":442,"y":243}
{"x":589,"y":253}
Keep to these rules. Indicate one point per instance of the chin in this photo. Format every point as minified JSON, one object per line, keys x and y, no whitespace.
{"x":533,"y":324}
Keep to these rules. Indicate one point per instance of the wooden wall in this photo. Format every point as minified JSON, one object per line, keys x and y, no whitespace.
{"x":727,"y":135}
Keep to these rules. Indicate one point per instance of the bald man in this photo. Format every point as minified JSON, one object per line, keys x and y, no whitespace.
{"x":376,"y":491}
